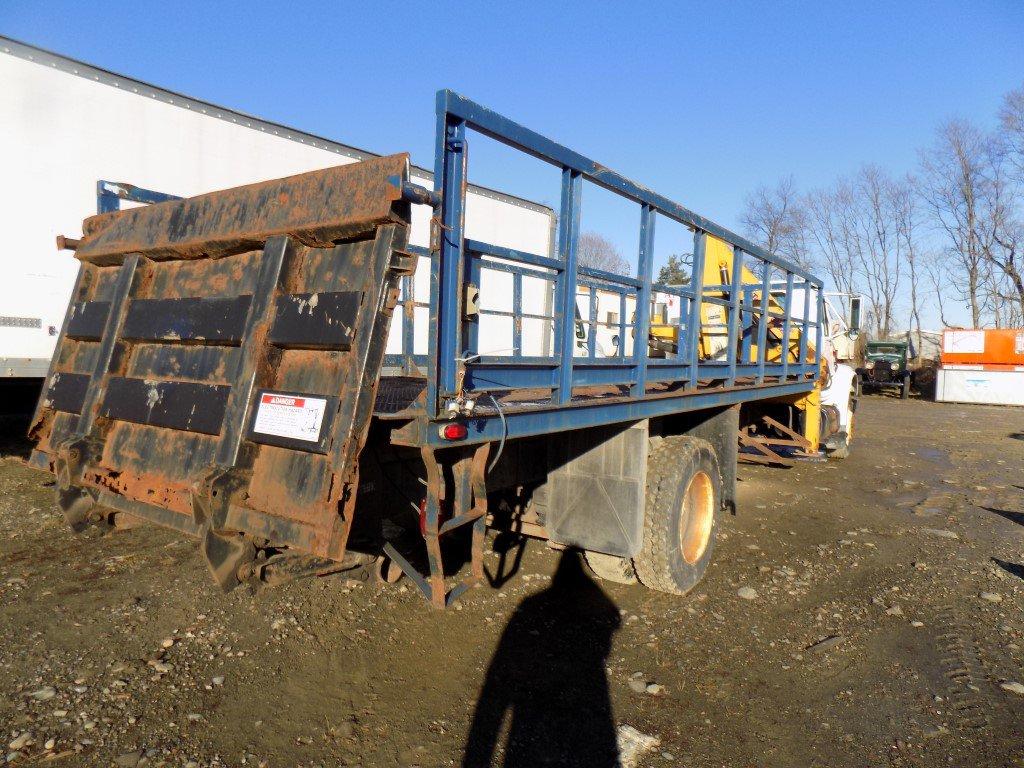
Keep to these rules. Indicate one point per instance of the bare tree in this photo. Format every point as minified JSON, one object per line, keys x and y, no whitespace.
{"x":906,"y":212}
{"x":777,"y":218}
{"x":862,"y":228}
{"x":868,"y":232}
{"x":1011,"y":119}
{"x":877,"y":243}
{"x":954,"y":181}
{"x":936,"y":270}
{"x":598,"y":252}
{"x":830,"y":235}
{"x":1002,"y":239}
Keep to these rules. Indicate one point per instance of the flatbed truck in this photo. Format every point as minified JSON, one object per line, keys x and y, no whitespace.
{"x":224,"y":370}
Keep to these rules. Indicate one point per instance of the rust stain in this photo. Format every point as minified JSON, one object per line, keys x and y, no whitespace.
{"x":316,"y":208}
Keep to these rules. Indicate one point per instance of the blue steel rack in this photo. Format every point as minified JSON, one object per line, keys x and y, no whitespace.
{"x":454,"y":366}
{"x":646,"y":386}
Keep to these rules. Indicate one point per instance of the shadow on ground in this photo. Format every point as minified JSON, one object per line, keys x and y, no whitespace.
{"x":547,"y":679}
{"x":1007,"y":514}
{"x":1014,"y":569}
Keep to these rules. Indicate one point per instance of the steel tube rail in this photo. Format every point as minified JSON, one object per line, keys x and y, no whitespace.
{"x":496,"y":126}
{"x":642,"y":324}
{"x":786,"y":325}
{"x":455,"y":363}
{"x":565,"y":301}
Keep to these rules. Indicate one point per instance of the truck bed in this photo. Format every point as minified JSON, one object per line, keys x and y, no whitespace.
{"x":224,"y":355}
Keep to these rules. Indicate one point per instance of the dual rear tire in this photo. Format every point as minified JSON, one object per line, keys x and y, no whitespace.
{"x":682,"y":505}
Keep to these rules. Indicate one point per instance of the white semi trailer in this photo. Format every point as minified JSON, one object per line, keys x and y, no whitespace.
{"x":66,"y":125}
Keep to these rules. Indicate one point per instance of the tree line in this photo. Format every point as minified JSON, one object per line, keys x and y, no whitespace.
{"x":949,"y":233}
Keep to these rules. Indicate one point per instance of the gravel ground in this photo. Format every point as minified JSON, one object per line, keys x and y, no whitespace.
{"x":858,"y":613}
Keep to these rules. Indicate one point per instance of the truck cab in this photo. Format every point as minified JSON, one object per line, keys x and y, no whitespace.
{"x":842,"y":322}
{"x":885,"y":367}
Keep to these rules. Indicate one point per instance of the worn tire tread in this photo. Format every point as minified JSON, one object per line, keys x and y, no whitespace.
{"x":665,"y":459}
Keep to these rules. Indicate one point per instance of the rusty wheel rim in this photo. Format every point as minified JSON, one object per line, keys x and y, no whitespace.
{"x":698,"y":517}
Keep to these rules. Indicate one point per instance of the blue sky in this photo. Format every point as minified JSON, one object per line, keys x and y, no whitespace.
{"x":700,"y":102}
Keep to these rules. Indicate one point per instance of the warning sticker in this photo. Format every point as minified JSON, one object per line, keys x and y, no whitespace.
{"x":293,"y":416}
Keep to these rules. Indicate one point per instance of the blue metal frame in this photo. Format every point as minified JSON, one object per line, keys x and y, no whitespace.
{"x":109,"y":195}
{"x":455,"y":365}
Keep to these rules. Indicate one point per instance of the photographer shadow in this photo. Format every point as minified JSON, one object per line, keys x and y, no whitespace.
{"x":547,"y":679}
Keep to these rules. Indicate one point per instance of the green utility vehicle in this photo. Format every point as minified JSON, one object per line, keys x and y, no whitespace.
{"x":885,"y":367}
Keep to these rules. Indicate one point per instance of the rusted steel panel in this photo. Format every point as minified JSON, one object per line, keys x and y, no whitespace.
{"x":185,"y":405}
{"x":176,"y":457}
{"x":317,"y":209}
{"x":212,"y":320}
{"x":316,"y":320}
{"x":66,"y":391}
{"x":185,"y":368}
{"x":75,"y":356}
{"x":227,"y":276}
{"x":87,"y":319}
{"x":194,"y":362}
{"x":297,"y":495}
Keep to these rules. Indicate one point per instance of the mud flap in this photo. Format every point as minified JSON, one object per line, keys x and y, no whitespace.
{"x":594,"y":496}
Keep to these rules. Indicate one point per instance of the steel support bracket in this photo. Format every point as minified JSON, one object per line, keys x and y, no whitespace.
{"x":469,"y":486}
{"x":78,"y":504}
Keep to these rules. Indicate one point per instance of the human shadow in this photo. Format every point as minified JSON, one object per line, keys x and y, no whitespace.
{"x":547,"y":677}
{"x":1007,"y":514}
{"x":1014,"y":569}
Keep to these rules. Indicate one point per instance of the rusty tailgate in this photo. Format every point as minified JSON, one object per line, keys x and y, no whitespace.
{"x":218,"y":364}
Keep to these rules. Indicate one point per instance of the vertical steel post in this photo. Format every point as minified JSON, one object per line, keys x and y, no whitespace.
{"x":682,"y":348}
{"x":642,"y":329}
{"x":408,"y":320}
{"x":105,"y":354}
{"x":747,"y":321}
{"x":735,"y":303}
{"x":622,"y":326}
{"x":804,"y":328}
{"x":819,"y":330}
{"x":106,"y":201}
{"x":517,"y":314}
{"x":592,"y":324}
{"x":786,"y":325}
{"x":565,"y":307}
{"x":470,"y":340}
{"x":700,"y":244}
{"x":252,"y":347}
{"x":446,"y":270}
{"x":762,"y":330}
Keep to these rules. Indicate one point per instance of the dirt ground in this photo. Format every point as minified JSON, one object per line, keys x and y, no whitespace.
{"x":885,"y":629}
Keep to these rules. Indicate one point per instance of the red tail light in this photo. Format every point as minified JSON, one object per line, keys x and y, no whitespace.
{"x":454,"y":431}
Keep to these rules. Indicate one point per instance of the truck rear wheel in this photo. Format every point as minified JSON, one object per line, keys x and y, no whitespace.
{"x":684,"y":496}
